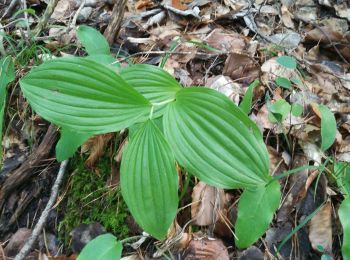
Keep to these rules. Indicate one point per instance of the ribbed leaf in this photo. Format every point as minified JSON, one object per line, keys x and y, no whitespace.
{"x":103,"y":247}
{"x":152,"y":82}
{"x":149,"y":180}
{"x":82,"y":95}
{"x":214,"y":140}
{"x":255,"y":212}
{"x":344,"y":213}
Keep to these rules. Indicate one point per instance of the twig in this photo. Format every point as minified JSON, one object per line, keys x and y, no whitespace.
{"x":41,"y":222}
{"x":117,"y":17}
{"x":10,"y":8}
{"x":24,"y":6}
{"x":2,"y":48}
{"x":69,"y":27}
{"x":198,"y":54}
{"x":45,"y":17}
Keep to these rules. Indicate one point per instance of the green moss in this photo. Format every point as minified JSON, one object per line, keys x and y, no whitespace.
{"x":89,"y":199}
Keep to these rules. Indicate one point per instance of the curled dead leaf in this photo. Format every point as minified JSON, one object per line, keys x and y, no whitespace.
{"x":96,"y":146}
{"x":207,"y":202}
{"x":206,"y":249}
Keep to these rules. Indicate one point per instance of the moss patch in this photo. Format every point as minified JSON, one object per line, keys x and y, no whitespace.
{"x":88,"y":199}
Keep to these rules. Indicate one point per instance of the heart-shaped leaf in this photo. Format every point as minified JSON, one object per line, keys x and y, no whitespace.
{"x":214,"y":140}
{"x":287,"y":62}
{"x":82,"y":95}
{"x":149,"y":180}
{"x":103,"y":247}
{"x":283,"y":82}
{"x":255,"y":212}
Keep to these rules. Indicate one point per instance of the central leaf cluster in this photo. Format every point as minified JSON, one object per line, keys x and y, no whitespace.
{"x":200,"y":128}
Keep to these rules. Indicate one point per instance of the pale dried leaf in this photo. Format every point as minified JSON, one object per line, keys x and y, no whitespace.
{"x":96,"y":146}
{"x":207,"y":202}
{"x":206,"y":249}
{"x":320,"y":230}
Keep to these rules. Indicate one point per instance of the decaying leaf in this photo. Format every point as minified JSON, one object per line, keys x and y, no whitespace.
{"x":206,"y":249}
{"x":207,"y":202}
{"x":320,"y":230}
{"x":96,"y":145}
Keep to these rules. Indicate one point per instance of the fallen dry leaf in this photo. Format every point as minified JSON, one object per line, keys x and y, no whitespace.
{"x":206,"y":249}
{"x":207,"y":202}
{"x":241,"y":68}
{"x":96,"y":146}
{"x":320,"y":229}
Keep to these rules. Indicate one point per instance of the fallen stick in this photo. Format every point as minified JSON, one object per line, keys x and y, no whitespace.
{"x":114,"y":25}
{"x":42,"y":220}
{"x":45,"y":17}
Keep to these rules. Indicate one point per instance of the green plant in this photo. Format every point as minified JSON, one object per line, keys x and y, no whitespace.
{"x":342,"y":173}
{"x":199,"y":128}
{"x":88,"y":199}
{"x":279,"y":110}
{"x":7,"y":75}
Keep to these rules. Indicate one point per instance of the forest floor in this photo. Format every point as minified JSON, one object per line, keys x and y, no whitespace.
{"x":224,"y":45}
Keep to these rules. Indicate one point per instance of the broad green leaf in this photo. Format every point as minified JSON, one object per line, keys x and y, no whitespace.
{"x":104,"y":59}
{"x":342,"y":173}
{"x":255,"y":212}
{"x":287,"y":62}
{"x":328,"y":127}
{"x":246,"y":104}
{"x":103,"y":247}
{"x":215,"y":141}
{"x":283,"y":82}
{"x":69,"y":143}
{"x":297,"y":109}
{"x":344,"y":213}
{"x":149,"y":180}
{"x":278,"y":111}
{"x":154,"y":83}
{"x":93,"y":41}
{"x":82,"y":95}
{"x":7,"y":75}
{"x":96,"y":46}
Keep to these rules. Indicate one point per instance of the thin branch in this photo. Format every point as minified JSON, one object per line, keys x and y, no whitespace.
{"x":10,"y":8}
{"x":24,"y":6}
{"x":69,"y":27}
{"x":2,"y":48}
{"x":45,"y":17}
{"x":41,"y":222}
{"x":117,"y":17}
{"x":198,"y":54}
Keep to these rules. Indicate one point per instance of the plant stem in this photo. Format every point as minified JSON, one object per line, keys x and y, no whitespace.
{"x":185,"y":188}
